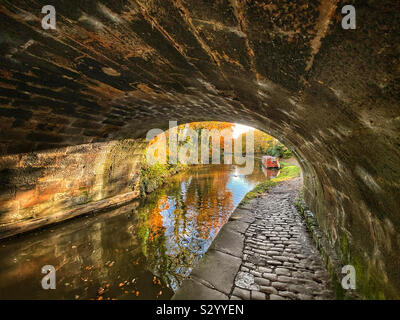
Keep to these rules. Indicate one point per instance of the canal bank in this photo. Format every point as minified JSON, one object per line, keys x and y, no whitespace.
{"x":263,"y":252}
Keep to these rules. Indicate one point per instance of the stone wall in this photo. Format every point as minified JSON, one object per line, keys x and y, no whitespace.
{"x":37,"y":186}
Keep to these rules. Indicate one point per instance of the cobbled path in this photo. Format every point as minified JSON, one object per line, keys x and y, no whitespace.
{"x":280,"y":260}
{"x":263,"y":253}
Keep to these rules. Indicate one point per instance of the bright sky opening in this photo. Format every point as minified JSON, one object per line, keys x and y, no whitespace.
{"x":238,"y":129}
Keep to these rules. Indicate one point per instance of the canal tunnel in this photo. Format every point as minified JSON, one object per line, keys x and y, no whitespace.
{"x":77,"y":101}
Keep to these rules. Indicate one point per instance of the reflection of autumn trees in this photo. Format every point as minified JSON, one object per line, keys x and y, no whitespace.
{"x":184,"y":217}
{"x":178,"y":221}
{"x":155,"y":219}
{"x":152,"y":232}
{"x":180,"y":224}
{"x":212,"y":201}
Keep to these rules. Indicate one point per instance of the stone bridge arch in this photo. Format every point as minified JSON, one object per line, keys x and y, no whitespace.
{"x":111,"y":69}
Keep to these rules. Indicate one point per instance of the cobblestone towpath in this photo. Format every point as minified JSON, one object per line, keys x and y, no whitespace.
{"x":264,"y":252}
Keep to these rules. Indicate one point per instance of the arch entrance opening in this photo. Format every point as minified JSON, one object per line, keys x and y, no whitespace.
{"x":144,"y":248}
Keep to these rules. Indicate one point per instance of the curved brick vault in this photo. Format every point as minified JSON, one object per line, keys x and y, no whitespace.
{"x":114,"y":69}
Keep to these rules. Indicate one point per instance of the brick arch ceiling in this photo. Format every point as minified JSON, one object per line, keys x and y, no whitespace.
{"x":115,"y":69}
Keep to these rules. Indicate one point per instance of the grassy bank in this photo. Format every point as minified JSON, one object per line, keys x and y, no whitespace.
{"x":288,"y":171}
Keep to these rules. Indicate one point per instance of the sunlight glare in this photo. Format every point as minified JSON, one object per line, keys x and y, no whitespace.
{"x":238,"y":129}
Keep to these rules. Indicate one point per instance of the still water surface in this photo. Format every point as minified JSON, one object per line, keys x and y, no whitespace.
{"x":143,"y":250}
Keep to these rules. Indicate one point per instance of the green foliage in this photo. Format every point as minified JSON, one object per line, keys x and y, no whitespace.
{"x":288,"y":171}
{"x":153,"y":176}
{"x":267,"y":145}
{"x":278,"y":150}
{"x":155,"y":172}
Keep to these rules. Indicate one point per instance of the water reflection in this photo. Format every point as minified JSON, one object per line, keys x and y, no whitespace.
{"x":140,"y":251}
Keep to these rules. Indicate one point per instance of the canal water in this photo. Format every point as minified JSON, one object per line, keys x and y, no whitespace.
{"x":143,"y":250}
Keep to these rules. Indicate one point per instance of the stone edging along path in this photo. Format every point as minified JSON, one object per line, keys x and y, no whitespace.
{"x":264,"y":252}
